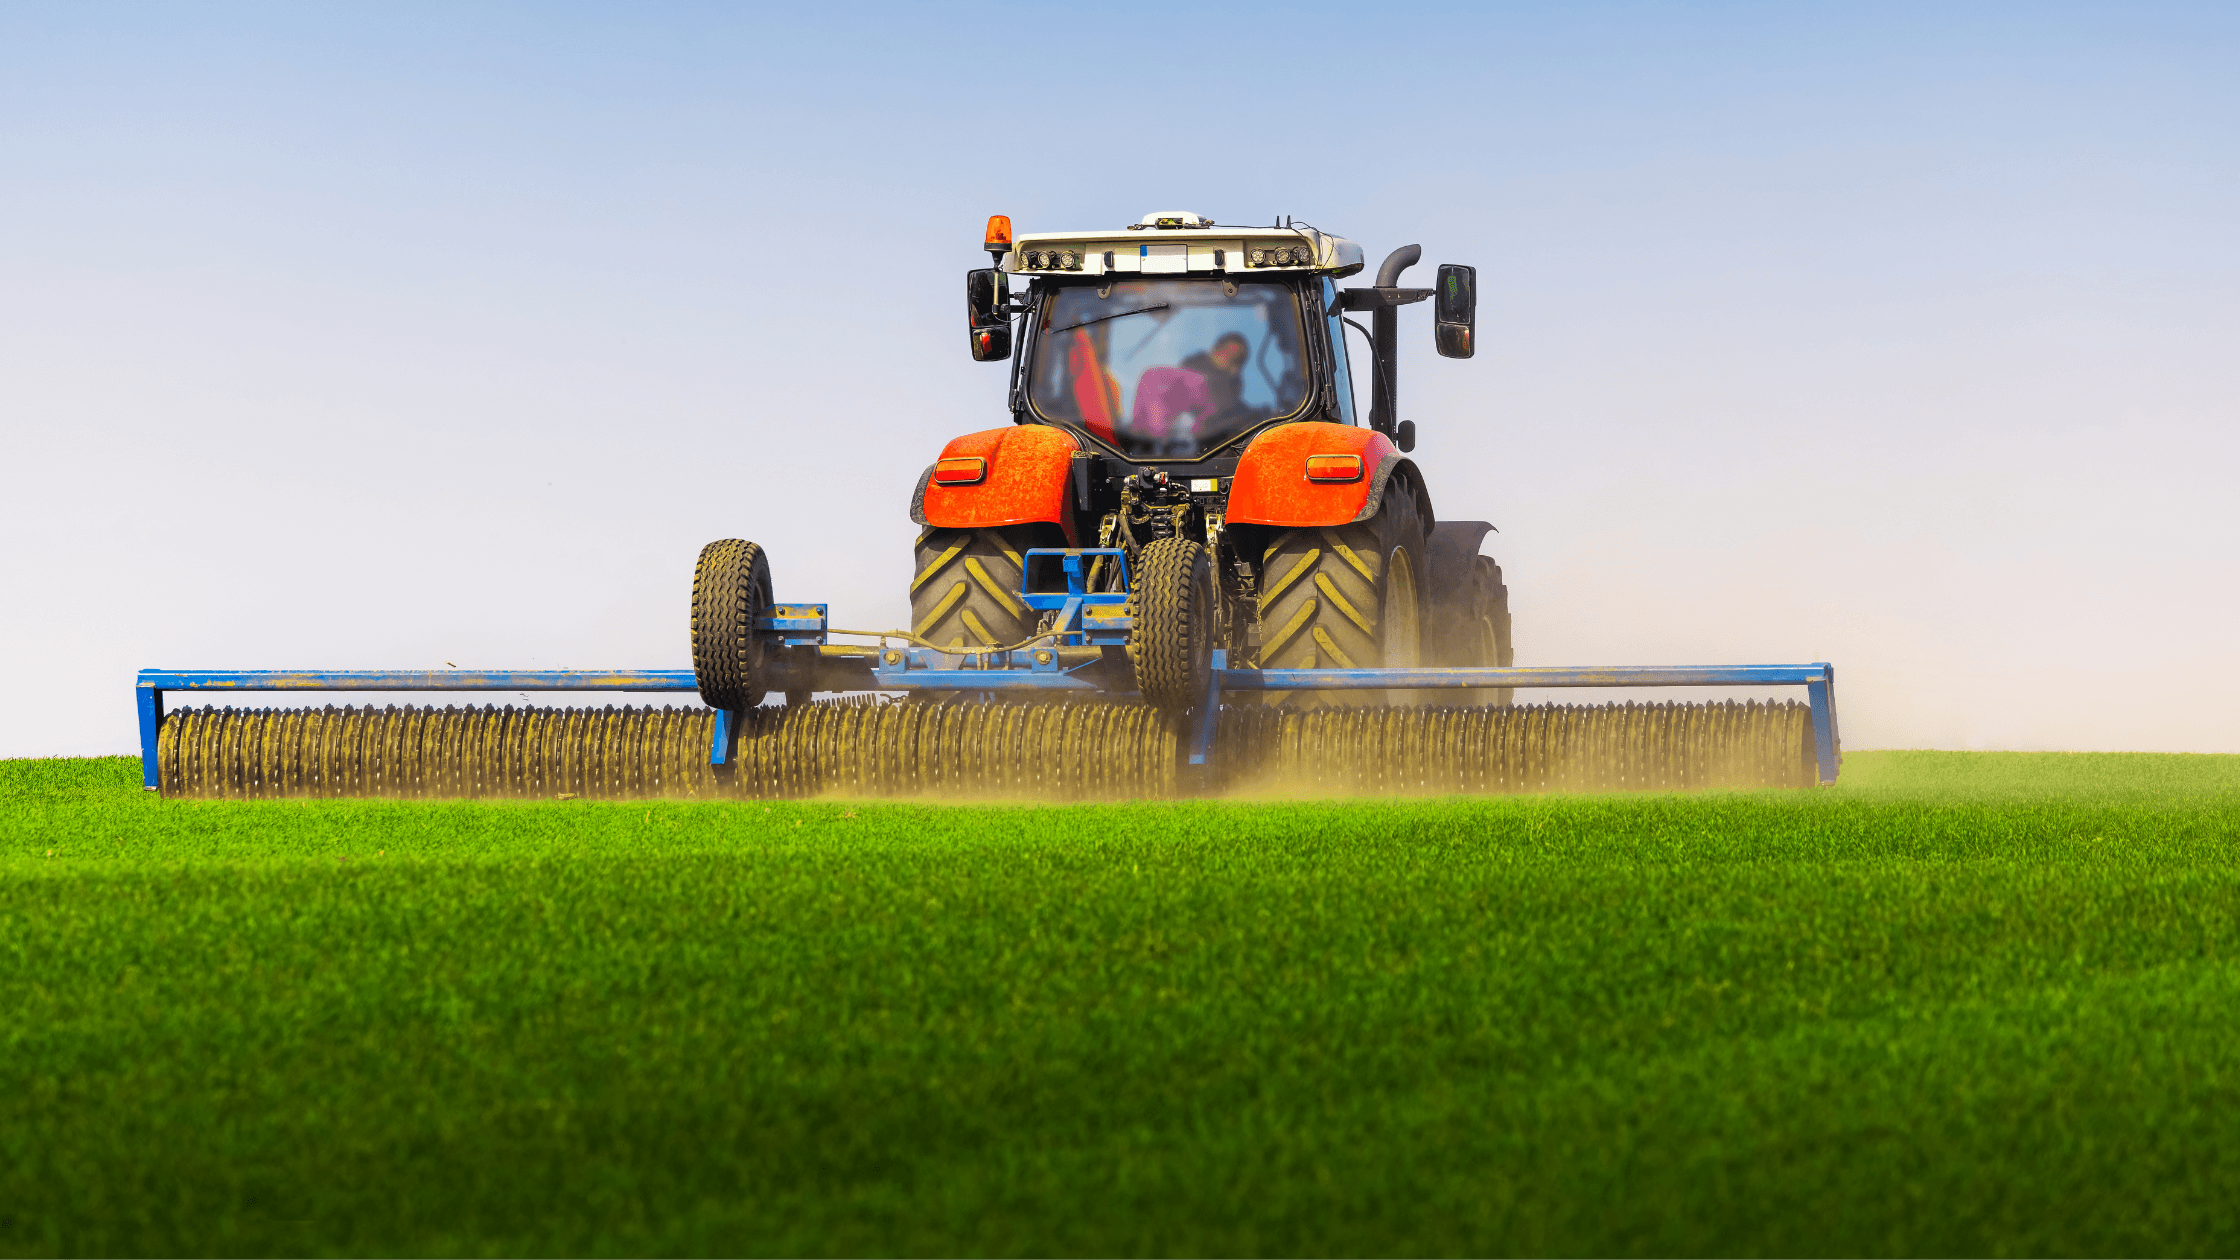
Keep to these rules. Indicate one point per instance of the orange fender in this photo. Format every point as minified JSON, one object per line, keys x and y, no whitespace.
{"x":1023,"y":480}
{"x":1272,"y":487}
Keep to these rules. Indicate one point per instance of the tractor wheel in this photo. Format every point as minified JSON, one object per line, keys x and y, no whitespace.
{"x":1345,"y":597}
{"x":1171,"y":647}
{"x":965,"y":596}
{"x":730,"y":588}
{"x":1490,"y":605}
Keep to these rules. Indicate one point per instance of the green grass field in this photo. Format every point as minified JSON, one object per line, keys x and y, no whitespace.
{"x":1964,"y":1003}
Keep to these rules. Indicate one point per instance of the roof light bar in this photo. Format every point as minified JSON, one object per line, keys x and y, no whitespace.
{"x":1280,"y":256}
{"x":1065,"y":259}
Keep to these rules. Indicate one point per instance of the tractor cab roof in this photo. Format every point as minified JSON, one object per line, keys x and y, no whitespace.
{"x":1182,"y":243}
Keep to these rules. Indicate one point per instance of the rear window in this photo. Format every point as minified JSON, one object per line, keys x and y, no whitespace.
{"x":1169,"y":369}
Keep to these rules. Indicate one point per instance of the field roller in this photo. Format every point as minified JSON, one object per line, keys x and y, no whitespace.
{"x":1186,"y":565}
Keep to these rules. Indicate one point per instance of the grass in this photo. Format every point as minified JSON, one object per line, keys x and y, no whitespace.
{"x":1964,"y":1003}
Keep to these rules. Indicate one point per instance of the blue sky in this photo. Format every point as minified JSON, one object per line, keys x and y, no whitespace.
{"x":1902,"y":337}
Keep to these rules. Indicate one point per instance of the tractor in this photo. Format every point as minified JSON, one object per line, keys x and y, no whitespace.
{"x":1183,"y":400}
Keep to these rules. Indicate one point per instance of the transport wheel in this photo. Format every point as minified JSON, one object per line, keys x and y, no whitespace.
{"x":1345,"y":597}
{"x":966,"y":592}
{"x":730,"y":588}
{"x":1171,"y":647}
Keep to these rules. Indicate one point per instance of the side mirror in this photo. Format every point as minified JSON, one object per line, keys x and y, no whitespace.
{"x":985,"y":295}
{"x":1455,"y":306}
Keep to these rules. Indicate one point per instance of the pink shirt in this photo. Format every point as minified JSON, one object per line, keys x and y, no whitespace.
{"x":1162,"y":393}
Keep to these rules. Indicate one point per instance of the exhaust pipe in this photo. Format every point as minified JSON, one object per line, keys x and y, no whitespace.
{"x":1384,"y":340}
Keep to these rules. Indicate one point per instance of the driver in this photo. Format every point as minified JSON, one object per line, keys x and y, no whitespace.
{"x":1223,"y":370}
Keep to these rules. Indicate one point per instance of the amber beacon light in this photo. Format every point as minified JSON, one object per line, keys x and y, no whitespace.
{"x":999,"y":235}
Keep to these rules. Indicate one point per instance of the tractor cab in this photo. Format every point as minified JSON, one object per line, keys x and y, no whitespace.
{"x":1173,"y":340}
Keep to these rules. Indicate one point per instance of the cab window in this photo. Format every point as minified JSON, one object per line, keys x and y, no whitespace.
{"x":1168,"y":369}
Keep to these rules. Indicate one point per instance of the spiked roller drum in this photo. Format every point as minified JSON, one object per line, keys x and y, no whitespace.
{"x":1087,"y":750}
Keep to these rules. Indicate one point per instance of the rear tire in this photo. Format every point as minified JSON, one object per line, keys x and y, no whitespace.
{"x":965,"y":595}
{"x":730,"y":588}
{"x":1171,"y":646}
{"x":1345,"y":597}
{"x":1490,"y":602}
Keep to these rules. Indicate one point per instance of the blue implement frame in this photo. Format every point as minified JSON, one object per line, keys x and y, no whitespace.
{"x":1085,"y":618}
{"x":924,"y":670}
{"x":1074,"y":654}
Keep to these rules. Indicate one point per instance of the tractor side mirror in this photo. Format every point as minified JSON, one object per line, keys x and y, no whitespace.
{"x":985,"y":295}
{"x":1454,"y":305}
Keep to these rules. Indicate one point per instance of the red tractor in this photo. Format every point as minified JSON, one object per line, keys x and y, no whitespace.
{"x":1184,"y":393}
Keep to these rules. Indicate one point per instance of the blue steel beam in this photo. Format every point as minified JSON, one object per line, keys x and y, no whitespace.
{"x":723,"y":737}
{"x":1077,"y":577}
{"x":1207,"y":719}
{"x":419,"y":679}
{"x":1822,"y":692}
{"x":1522,"y":676}
{"x":900,"y":678}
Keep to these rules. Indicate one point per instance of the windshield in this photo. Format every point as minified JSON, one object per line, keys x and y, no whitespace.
{"x":1169,"y":368}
